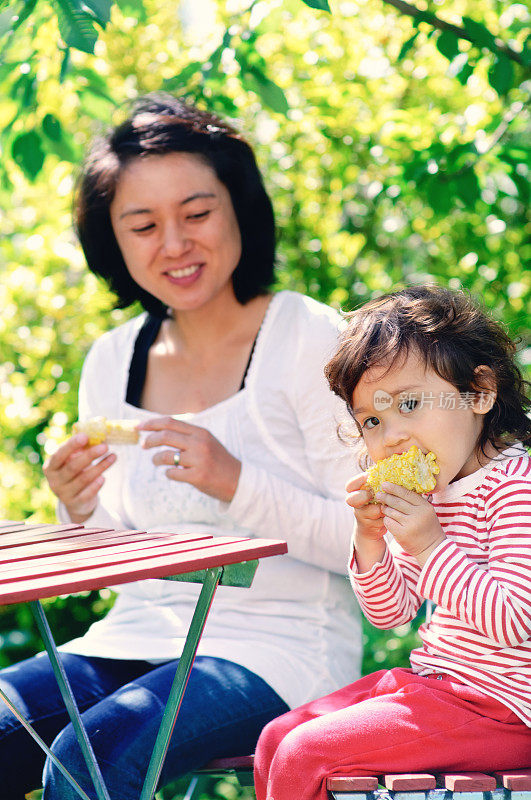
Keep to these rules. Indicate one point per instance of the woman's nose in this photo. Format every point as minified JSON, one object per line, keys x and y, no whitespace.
{"x":174,"y":241}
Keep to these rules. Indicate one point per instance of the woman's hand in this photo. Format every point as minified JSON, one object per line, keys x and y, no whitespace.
{"x":203,"y":461}
{"x":412,"y":521}
{"x":73,"y":476}
{"x":369,"y":544}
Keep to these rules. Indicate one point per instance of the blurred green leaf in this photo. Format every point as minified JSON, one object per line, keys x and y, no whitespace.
{"x":468,"y":187}
{"x":24,"y":90}
{"x":481,"y":35}
{"x":501,"y":74}
{"x":183,"y":78}
{"x":270,"y":94}
{"x":28,"y":153}
{"x":75,"y":25}
{"x":15,"y":15}
{"x":65,"y":65}
{"x":406,"y":47}
{"x":133,"y":8}
{"x":7,"y":21}
{"x":101,"y":10}
{"x":96,"y":103}
{"x":464,"y":73}
{"x":439,"y":195}
{"x":526,"y":52}
{"x":52,"y":127}
{"x":93,"y":80}
{"x":447,"y":44}
{"x":322,"y":5}
{"x":211,"y":65}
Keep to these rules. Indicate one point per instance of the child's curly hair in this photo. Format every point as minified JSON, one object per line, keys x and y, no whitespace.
{"x":453,"y":336}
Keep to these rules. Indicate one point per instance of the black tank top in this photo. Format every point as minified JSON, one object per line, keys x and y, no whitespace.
{"x":137,"y":369}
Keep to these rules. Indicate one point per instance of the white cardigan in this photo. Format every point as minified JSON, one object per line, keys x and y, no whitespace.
{"x":298,"y":625}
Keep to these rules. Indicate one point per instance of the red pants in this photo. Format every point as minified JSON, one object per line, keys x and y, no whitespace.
{"x":387,"y":722}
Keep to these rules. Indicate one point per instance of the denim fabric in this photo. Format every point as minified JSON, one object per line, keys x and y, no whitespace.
{"x":224,"y":709}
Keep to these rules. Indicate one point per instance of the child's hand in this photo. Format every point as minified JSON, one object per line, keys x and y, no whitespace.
{"x":369,"y":515}
{"x":369,"y":543}
{"x":411,"y":519}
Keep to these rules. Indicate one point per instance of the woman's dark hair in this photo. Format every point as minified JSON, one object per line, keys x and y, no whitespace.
{"x":453,"y":336}
{"x":161,"y":124}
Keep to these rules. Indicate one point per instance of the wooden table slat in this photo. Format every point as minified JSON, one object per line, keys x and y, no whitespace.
{"x":109,"y":557}
{"x":33,"y":526}
{"x":125,"y":540}
{"x":222,"y":551}
{"x":42,"y":533}
{"x":14,"y":544}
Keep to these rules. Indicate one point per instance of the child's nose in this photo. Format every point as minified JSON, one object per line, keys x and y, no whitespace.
{"x":395,"y":434}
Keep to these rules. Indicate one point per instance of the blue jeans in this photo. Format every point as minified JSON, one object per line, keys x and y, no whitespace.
{"x":223,"y":711}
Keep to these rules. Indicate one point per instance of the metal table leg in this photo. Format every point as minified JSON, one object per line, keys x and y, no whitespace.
{"x":69,"y":701}
{"x":182,"y":674}
{"x":33,"y":733}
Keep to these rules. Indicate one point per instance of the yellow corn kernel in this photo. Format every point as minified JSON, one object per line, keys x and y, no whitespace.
{"x":112,"y":431}
{"x":413,"y":470}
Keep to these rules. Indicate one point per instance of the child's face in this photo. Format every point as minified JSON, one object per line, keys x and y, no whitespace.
{"x":409,"y":404}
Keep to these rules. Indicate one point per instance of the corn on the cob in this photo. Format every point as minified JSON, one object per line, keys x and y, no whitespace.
{"x":112,"y":431}
{"x":413,"y":470}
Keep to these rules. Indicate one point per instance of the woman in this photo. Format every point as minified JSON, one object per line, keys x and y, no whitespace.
{"x":239,"y":435}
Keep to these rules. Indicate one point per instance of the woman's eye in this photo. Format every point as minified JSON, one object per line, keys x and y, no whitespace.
{"x":371,"y":422}
{"x":408,"y":405}
{"x":200,"y":215}
{"x":143,"y":228}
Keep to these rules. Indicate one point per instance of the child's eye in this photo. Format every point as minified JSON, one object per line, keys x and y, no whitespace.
{"x":370,"y":423}
{"x":407,"y":405}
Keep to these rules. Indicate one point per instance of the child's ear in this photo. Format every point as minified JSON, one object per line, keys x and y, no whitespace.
{"x":485,"y":388}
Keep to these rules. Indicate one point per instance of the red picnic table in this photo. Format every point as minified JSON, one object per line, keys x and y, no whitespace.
{"x":39,"y":560}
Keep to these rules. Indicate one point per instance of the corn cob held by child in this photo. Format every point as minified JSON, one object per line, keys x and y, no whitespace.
{"x":413,"y":470}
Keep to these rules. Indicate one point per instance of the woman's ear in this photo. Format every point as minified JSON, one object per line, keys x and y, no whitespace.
{"x":485,"y":389}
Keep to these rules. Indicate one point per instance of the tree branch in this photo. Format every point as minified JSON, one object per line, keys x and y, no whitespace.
{"x":461,"y":33}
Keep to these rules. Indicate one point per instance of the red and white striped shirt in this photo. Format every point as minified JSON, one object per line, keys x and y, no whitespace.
{"x":479,"y":579}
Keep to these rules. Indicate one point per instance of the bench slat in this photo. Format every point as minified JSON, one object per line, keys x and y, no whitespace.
{"x":344,"y":783}
{"x":469,"y":782}
{"x":420,"y":782}
{"x":516,"y":779}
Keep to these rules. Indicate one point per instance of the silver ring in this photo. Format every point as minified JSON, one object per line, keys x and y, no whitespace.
{"x":176,"y":458}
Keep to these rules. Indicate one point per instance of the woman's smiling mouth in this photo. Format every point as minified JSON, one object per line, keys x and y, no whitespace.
{"x":184,"y":276}
{"x":184,"y":272}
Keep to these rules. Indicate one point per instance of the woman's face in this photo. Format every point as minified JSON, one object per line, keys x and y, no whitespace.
{"x":176,"y":227}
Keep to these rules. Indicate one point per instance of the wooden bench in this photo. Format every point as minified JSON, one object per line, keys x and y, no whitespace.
{"x":508,"y":785}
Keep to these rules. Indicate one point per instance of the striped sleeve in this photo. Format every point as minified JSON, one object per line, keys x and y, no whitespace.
{"x":387,"y":592}
{"x":494,"y":599}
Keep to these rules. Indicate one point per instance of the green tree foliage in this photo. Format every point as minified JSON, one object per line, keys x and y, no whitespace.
{"x":394,"y":140}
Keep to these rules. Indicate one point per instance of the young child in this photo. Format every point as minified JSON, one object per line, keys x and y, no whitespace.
{"x":424,"y":367}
